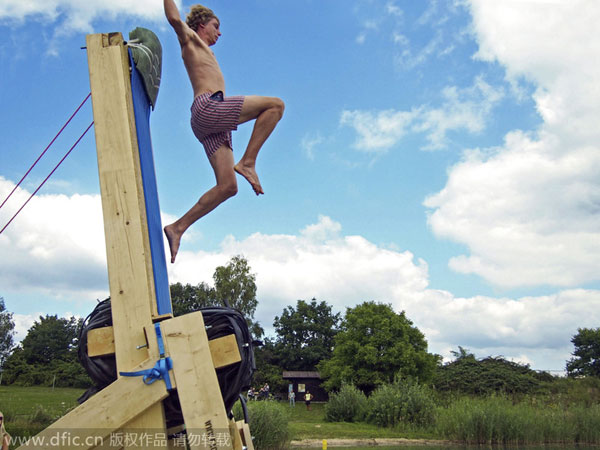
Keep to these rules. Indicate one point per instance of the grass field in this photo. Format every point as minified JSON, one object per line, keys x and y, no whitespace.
{"x":22,"y":404}
{"x":28,"y":410}
{"x":16,"y":402}
{"x":311,"y":425}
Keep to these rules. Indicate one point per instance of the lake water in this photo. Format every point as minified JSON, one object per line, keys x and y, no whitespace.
{"x":468,"y":447}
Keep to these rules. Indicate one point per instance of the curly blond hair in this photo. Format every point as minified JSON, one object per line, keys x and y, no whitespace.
{"x":199,"y":15}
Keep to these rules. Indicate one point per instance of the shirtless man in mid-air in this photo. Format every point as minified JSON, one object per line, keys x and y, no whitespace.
{"x":214,"y":116}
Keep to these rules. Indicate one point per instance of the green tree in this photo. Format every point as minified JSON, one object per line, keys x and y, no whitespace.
{"x":51,"y":338}
{"x":7,"y":331}
{"x":374,"y":345}
{"x":268,"y":369}
{"x":235,"y":286}
{"x":305,"y":334}
{"x":187,"y":298}
{"x":586,"y":361}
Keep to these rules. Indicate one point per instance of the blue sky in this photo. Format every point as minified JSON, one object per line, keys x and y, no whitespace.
{"x":441,"y":156}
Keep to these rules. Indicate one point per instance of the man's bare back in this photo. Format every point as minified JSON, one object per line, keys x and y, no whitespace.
{"x":206,"y":78}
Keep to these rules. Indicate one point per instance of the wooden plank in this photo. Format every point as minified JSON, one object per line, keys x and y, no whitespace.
{"x":124,"y":214}
{"x":125,"y":226}
{"x":100,"y":341}
{"x":199,"y":392}
{"x":131,"y":284}
{"x":104,"y":413}
{"x":224,"y":350}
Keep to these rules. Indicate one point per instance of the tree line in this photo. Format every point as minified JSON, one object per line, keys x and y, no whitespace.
{"x":369,"y":346}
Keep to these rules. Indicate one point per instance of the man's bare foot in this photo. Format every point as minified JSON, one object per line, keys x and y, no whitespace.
{"x":174,"y":238}
{"x":249,"y":174}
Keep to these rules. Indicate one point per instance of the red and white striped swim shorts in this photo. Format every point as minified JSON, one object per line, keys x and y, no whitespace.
{"x":214,"y":117}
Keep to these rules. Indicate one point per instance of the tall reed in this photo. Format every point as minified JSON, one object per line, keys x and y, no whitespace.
{"x":497,"y":420}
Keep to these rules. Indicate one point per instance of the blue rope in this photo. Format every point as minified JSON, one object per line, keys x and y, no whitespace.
{"x":160,"y":371}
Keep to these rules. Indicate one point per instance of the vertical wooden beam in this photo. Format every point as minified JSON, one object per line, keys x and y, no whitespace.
{"x":236,"y":437}
{"x":125,"y":226}
{"x":244,"y":430}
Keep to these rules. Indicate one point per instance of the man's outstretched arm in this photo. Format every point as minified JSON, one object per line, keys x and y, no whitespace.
{"x":173,"y":16}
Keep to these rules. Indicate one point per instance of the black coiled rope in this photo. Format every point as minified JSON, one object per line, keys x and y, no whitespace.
{"x":219,"y":322}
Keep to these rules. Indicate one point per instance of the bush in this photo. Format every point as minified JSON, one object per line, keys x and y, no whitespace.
{"x":41,"y":417}
{"x":487,"y":376}
{"x":571,"y":392}
{"x":63,"y":373}
{"x":70,"y":374}
{"x":403,"y":401}
{"x":268,"y":424}
{"x":347,"y":405}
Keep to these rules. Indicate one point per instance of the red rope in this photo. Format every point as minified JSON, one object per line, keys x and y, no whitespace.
{"x":49,"y":175}
{"x":45,"y":150}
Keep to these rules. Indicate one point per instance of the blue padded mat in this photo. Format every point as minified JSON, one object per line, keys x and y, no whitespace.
{"x":141,"y":107}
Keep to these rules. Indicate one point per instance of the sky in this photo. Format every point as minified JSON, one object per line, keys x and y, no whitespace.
{"x":441,"y":156}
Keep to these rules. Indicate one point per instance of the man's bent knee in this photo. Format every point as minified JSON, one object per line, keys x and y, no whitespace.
{"x":279,"y":106}
{"x":229,"y":189}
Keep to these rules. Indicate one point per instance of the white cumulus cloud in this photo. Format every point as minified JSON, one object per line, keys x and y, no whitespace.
{"x":529,"y":210}
{"x":77,"y":15}
{"x":467,"y":109}
{"x":55,"y":243}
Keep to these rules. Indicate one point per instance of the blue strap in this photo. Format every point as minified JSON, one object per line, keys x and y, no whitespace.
{"x":161,"y":346}
{"x":160,"y":371}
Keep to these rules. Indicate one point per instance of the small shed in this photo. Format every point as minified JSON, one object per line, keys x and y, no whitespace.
{"x":302,"y":381}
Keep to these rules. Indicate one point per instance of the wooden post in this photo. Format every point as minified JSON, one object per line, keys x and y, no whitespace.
{"x":125,"y":225}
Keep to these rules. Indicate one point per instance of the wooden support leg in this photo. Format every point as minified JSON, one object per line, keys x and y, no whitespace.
{"x":244,"y":430}
{"x":200,"y":396}
{"x":236,"y":438}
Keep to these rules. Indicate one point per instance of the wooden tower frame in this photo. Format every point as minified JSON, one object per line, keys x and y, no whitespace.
{"x":145,"y":335}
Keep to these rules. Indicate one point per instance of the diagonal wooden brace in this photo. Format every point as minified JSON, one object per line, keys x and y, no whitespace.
{"x":90,"y":424}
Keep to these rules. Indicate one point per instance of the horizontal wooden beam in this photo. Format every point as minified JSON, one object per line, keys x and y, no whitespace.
{"x":224,"y":350}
